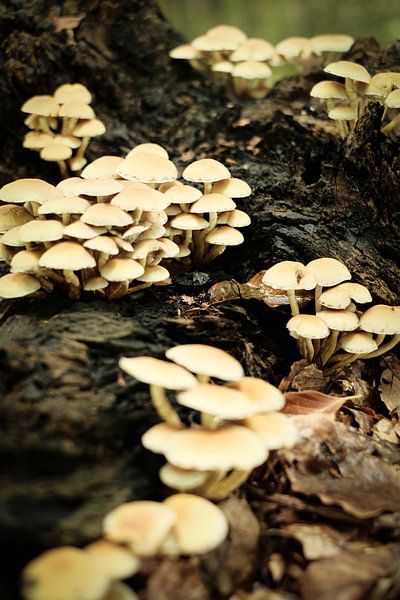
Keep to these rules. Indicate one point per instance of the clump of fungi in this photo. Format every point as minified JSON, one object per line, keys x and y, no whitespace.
{"x":108,"y":230}
{"x":238,"y":420}
{"x":246,"y":64}
{"x":346,"y":100}
{"x":62,"y":126}
{"x":182,"y":524}
{"x":337,"y":333}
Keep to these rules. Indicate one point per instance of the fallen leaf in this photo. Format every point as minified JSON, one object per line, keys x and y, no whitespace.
{"x":339,"y":466}
{"x":317,"y":541}
{"x":385,"y":430}
{"x":310,"y":378}
{"x":176,"y":580}
{"x":310,"y":401}
{"x":389,"y":386}
{"x":233,"y":562}
{"x":296,"y":368}
{"x":348,"y":576}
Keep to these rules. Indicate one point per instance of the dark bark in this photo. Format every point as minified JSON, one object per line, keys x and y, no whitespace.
{"x":70,"y":449}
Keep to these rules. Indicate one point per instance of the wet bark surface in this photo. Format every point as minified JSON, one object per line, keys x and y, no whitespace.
{"x":70,"y":448}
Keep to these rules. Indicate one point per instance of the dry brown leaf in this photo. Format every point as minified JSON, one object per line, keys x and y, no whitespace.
{"x":348,"y":576}
{"x":310,"y":378}
{"x":318,"y":541}
{"x":385,"y":429}
{"x":389,"y":386}
{"x":295,"y":369}
{"x":311,"y":401}
{"x":233,"y":563}
{"x":339,"y":466}
{"x":176,"y":580}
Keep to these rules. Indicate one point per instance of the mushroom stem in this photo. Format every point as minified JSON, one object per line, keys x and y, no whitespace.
{"x":223,"y":488}
{"x":330,"y":347}
{"x":207,"y":187}
{"x":310,"y":349}
{"x":62,"y":165}
{"x":163,"y":406}
{"x":379,"y":338}
{"x":44,"y":126}
{"x":73,"y":282}
{"x":343,"y":363}
{"x":137,"y":288}
{"x":210,"y":421}
{"x":391,"y":125}
{"x":213,"y":479}
{"x":83,"y":147}
{"x":201,"y":378}
{"x":294,"y":307}
{"x":213,"y":254}
{"x":383,"y":348}
{"x":318,"y":292}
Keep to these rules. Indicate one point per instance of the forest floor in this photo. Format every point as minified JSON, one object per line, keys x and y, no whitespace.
{"x":321,"y":521}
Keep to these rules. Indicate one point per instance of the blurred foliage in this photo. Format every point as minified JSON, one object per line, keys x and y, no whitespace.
{"x":277,"y":19}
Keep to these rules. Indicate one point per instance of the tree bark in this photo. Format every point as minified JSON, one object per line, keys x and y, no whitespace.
{"x":70,"y":449}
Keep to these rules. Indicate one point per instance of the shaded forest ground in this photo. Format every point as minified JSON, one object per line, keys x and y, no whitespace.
{"x":70,"y":447}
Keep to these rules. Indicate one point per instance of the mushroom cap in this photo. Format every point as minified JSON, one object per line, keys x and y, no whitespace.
{"x":275,"y":430}
{"x":224,"y":66}
{"x":143,"y":525}
{"x":102,"y":168}
{"x":41,"y":231}
{"x":393,"y":99}
{"x":308,"y":326}
{"x":234,"y":218}
{"x":182,"y":479}
{"x":35,"y":140}
{"x":253,"y":49}
{"x":158,"y":372}
{"x":289,"y":275}
{"x":348,"y":70}
{"x":26,"y":261}
{"x":381,"y":319}
{"x":233,"y":187}
{"x":170,"y":249}
{"x":145,"y":247}
{"x":95,"y":283}
{"x":81,"y":231}
{"x":182,"y":194}
{"x":106,"y":215}
{"x":188,"y":221}
{"x":200,"y":526}
{"x":214,"y":43}
{"x":121,"y":269}
{"x":76,"y":109}
{"x":329,"y":89}
{"x":206,"y":360}
{"x":70,"y":92}
{"x":67,"y":255}
{"x":229,"y":31}
{"x":62,"y":574}
{"x":76,"y":163}
{"x":69,"y":186}
{"x":358,"y":342}
{"x":218,"y":400}
{"x":265,"y":396}
{"x":251,"y":69}
{"x":17,"y":285}
{"x":205,"y":170}
{"x":343,"y":113}
{"x":12,"y":238}
{"x":147,"y":168}
{"x":224,"y":236}
{"x":154,"y":274}
{"x":114,"y":561}
{"x":212,"y":203}
{"x":98,"y":187}
{"x":140,"y":196}
{"x":28,"y":190}
{"x":339,"y":320}
{"x":158,"y":437}
{"x":341,"y":295}
{"x":72,"y":205}
{"x":148,"y":148}
{"x":331,"y":42}
{"x":120,"y":591}
{"x":44,"y":106}
{"x":55,"y":152}
{"x":328,"y":271}
{"x":225,"y":448}
{"x":102,"y":243}
{"x":185,"y":52}
{"x":12,"y":215}
{"x":294,"y":47}
{"x":164,"y":187}
{"x":89,"y":128}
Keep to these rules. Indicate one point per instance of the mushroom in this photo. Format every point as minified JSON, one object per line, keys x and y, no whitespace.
{"x":206,"y":171}
{"x":160,"y":375}
{"x":308,"y":327}
{"x":326,"y":272}
{"x":69,"y":257}
{"x":17,"y":285}
{"x":289,"y":276}
{"x":252,"y":79}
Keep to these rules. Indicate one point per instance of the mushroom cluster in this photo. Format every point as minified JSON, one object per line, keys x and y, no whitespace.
{"x":62,"y":126}
{"x":108,"y":230}
{"x":237,"y":421}
{"x":338,"y":333}
{"x":183,"y":524}
{"x":246,"y":63}
{"x":346,"y":100}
